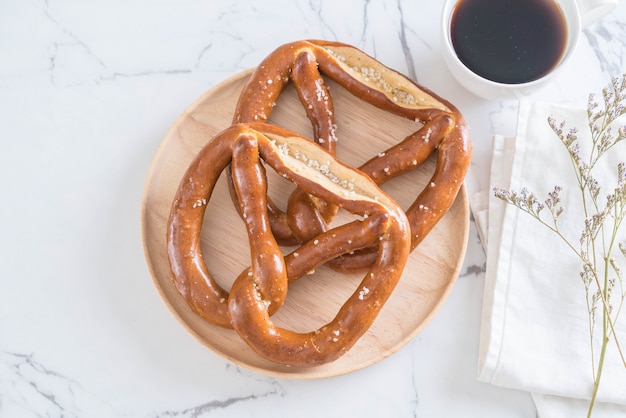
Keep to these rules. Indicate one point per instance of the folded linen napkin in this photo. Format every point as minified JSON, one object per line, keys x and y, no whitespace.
{"x":535,"y":327}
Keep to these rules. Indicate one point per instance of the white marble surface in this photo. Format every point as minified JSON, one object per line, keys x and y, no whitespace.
{"x":87,"y":91}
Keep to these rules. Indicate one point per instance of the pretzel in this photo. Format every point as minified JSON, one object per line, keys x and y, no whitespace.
{"x":442,"y":129}
{"x":260,"y":290}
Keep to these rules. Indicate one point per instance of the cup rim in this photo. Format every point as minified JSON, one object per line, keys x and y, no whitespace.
{"x":573,"y":24}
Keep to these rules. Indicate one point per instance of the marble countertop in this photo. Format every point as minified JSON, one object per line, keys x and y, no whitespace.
{"x":87,"y":92}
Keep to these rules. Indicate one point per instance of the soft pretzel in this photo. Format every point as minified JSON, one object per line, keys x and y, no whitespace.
{"x":441,"y":128}
{"x":261,"y":289}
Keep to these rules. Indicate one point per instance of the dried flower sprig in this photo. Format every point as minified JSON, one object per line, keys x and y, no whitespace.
{"x":601,"y":274}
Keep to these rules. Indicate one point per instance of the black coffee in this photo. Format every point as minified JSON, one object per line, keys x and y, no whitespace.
{"x":509,"y":41}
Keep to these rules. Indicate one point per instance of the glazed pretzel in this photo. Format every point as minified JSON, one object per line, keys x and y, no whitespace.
{"x":442,"y":129}
{"x":261,"y":289}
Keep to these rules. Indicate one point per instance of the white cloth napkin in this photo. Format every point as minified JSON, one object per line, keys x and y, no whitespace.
{"x":535,"y":330}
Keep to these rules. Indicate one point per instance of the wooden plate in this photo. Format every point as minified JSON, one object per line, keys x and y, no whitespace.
{"x":363,"y":132}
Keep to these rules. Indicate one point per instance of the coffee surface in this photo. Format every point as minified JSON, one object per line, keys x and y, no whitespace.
{"x":509,"y":41}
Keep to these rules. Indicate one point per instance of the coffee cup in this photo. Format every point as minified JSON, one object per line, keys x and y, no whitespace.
{"x":507,"y":69}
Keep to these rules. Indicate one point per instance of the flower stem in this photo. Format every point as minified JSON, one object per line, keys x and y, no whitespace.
{"x":596,"y":383}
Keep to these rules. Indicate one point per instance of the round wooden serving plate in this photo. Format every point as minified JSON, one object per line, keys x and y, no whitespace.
{"x":363,"y":132}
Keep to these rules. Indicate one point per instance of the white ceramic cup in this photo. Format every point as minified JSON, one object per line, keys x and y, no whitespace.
{"x":578,"y":15}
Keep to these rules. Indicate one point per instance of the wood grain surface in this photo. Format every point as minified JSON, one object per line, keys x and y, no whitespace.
{"x":363,"y":132}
